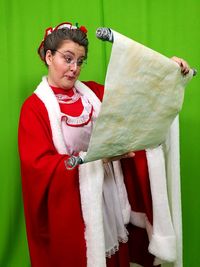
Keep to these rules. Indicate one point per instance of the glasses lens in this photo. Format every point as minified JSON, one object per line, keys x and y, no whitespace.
{"x":81,"y":62}
{"x":70,"y":61}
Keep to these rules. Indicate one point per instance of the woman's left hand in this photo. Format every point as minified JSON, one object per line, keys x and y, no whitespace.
{"x":185,"y":68}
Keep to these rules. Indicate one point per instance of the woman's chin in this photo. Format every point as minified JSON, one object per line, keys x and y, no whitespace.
{"x":68,"y":84}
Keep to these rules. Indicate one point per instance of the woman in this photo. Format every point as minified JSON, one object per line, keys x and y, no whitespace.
{"x":55,"y":123}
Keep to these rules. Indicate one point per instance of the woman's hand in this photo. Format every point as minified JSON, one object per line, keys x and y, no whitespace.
{"x":127,"y":155}
{"x":183,"y":64}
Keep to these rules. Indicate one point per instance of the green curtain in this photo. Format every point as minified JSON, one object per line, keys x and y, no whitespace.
{"x":170,"y":27}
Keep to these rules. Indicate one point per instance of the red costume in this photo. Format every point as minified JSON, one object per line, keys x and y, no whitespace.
{"x":55,"y":226}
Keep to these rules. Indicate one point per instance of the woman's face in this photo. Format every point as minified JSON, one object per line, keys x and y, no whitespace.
{"x":65,"y":65}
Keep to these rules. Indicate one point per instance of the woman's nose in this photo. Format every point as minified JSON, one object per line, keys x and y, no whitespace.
{"x":73,"y":66}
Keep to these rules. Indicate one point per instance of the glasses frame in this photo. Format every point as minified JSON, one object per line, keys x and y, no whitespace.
{"x":78,"y":64}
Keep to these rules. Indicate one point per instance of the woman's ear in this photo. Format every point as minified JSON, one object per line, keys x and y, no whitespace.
{"x":48,"y":57}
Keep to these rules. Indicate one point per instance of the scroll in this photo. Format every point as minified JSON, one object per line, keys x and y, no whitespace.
{"x":144,"y":92}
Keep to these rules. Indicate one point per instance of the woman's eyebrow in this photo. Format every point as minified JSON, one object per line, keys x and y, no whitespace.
{"x":68,"y":51}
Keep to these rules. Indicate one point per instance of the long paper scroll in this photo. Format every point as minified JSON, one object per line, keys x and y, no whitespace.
{"x":144,"y":92}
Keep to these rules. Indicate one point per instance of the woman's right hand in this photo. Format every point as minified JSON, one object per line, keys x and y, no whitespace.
{"x":185,"y":68}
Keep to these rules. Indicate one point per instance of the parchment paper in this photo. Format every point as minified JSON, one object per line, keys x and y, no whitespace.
{"x":144,"y":92}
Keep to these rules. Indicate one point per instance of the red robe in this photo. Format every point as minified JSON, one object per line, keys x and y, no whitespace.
{"x":55,"y":227}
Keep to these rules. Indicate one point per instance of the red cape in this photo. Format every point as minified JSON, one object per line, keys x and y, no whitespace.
{"x":55,"y":227}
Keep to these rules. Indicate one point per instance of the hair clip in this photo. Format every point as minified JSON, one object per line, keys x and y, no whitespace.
{"x":83,"y":29}
{"x":62,"y":25}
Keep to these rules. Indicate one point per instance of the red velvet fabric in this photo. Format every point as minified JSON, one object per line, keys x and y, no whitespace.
{"x":55,"y":227}
{"x":136,"y":179}
{"x":54,"y":223}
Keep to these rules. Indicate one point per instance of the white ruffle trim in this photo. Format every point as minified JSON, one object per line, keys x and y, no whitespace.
{"x":110,"y":252}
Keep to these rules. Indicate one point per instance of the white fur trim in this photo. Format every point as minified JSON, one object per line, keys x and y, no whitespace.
{"x":90,"y":95}
{"x":90,"y":174}
{"x":46,"y":95}
{"x":91,"y":181}
{"x":163,"y":240}
{"x":172,"y":156}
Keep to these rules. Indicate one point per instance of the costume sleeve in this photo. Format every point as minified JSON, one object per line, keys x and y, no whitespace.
{"x":50,"y":192}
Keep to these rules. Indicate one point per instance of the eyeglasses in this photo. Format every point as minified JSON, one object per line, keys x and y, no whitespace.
{"x":71,"y":61}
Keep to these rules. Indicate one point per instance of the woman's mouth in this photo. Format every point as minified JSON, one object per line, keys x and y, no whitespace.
{"x":70,"y":78}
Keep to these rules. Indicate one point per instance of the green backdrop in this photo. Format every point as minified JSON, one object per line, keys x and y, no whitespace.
{"x":170,"y":27}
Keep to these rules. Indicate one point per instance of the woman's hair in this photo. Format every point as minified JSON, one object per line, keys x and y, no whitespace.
{"x":55,"y":39}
